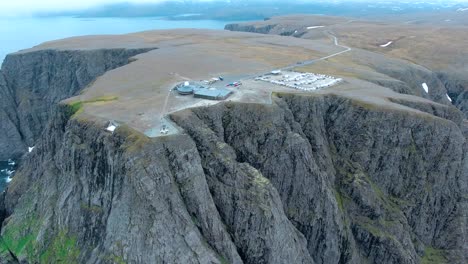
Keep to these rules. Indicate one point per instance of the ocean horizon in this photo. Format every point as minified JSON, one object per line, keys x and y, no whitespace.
{"x":26,"y":32}
{"x":20,"y":33}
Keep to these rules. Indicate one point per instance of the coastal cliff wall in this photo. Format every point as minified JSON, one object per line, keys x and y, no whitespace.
{"x":32,"y":83}
{"x":308,"y":179}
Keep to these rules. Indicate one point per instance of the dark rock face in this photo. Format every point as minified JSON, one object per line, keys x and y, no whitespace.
{"x":250,"y":28}
{"x":305,"y":180}
{"x":308,"y":179}
{"x":11,"y":143}
{"x":457,"y":89}
{"x":355,"y":182}
{"x":33,"y":83}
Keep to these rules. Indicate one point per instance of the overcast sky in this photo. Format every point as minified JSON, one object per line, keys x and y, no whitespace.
{"x":22,"y":7}
{"x":25,"y":7}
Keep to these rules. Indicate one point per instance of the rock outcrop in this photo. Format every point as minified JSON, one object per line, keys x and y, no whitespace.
{"x":308,"y":179}
{"x":34,"y":82}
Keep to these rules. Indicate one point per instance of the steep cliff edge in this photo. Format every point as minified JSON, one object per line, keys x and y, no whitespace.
{"x":308,"y":179}
{"x":361,"y":183}
{"x":354,"y":173}
{"x":32,"y":83}
{"x":403,"y":65}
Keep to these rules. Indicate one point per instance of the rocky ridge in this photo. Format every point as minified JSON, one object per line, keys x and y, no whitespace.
{"x":32,"y":83}
{"x":309,"y":179}
{"x":319,"y":178}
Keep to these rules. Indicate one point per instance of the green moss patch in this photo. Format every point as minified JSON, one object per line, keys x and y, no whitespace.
{"x":134,"y":140}
{"x":19,"y":238}
{"x":63,"y":249}
{"x":76,"y":107}
{"x":434,"y":256}
{"x":376,"y":228}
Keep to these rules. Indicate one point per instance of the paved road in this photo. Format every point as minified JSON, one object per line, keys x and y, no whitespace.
{"x":308,"y":62}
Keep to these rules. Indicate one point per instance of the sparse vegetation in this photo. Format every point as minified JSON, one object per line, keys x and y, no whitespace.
{"x":19,"y":238}
{"x":135,"y":140}
{"x":92,"y":209}
{"x":63,"y":249}
{"x":76,"y":107}
{"x":434,"y":256}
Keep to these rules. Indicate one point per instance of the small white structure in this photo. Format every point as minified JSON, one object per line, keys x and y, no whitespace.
{"x":30,"y":149}
{"x":164,"y":130}
{"x":112,"y":127}
{"x":425,"y":87}
{"x":276,"y":72}
{"x":186,"y":83}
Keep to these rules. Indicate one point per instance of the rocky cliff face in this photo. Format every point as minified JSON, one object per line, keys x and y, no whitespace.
{"x":34,"y":82}
{"x":354,"y":180}
{"x":308,"y":179}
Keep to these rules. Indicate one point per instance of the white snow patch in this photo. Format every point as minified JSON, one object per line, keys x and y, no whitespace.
{"x":448,"y":97}
{"x":11,"y":162}
{"x":312,"y":27}
{"x":111,"y":128}
{"x":30,"y":149}
{"x":426,"y":88}
{"x":386,"y":45}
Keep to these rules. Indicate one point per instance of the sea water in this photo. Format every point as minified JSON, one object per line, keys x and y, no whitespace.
{"x":7,"y":170}
{"x":23,"y":33}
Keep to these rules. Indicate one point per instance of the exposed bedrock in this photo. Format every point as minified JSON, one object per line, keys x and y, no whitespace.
{"x":355,"y":181}
{"x":32,"y":83}
{"x":308,"y":179}
{"x":457,"y":88}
